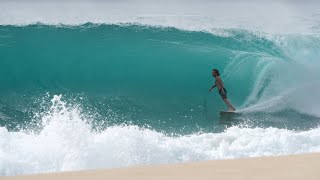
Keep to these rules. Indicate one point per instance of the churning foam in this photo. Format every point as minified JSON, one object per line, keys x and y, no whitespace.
{"x":67,"y":142}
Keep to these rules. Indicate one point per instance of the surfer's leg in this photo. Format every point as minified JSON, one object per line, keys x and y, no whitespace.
{"x":230,"y":106}
{"x":223,"y":95}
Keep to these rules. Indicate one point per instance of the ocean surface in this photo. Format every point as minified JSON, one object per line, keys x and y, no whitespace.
{"x":103,"y":85}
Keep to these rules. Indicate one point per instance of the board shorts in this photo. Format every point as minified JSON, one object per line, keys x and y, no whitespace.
{"x":223,"y":93}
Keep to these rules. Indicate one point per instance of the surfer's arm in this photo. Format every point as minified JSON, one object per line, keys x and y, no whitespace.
{"x":212,"y":87}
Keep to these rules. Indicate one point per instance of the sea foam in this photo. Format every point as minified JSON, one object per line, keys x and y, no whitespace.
{"x":67,"y":142}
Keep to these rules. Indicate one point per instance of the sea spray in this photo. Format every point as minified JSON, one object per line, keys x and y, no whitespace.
{"x":67,"y":142}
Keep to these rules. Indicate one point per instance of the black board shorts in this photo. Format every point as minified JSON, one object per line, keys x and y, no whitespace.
{"x":223,"y":93}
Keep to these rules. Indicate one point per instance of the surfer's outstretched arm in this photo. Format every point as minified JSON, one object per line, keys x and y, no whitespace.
{"x":212,"y":87}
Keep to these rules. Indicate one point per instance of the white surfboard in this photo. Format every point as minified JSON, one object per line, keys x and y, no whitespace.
{"x":228,"y":113}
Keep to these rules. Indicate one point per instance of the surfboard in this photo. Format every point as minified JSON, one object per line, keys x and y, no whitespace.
{"x":229,"y":113}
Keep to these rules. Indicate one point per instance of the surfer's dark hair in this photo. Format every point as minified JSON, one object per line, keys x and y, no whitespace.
{"x":217,"y":71}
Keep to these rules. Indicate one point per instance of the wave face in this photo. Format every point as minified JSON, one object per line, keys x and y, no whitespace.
{"x":96,"y":96}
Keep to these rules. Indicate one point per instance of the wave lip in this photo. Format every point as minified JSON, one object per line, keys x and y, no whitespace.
{"x":285,"y":18}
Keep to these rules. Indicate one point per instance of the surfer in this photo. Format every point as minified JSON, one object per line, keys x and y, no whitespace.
{"x":221,"y":88}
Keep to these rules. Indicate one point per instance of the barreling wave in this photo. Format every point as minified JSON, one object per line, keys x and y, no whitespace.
{"x":155,"y":73}
{"x":136,"y":94}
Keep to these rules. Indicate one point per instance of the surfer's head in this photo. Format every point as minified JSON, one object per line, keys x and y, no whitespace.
{"x":215,"y":72}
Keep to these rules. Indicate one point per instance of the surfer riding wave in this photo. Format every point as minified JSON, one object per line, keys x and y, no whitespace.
{"x":222,"y":89}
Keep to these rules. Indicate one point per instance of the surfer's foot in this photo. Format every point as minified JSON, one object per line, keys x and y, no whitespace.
{"x":231,"y":109}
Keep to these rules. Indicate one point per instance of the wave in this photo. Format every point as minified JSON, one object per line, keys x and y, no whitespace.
{"x":137,"y":95}
{"x":67,"y":142}
{"x":208,"y":16}
{"x":160,"y":72}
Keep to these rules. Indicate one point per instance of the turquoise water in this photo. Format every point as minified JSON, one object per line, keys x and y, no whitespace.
{"x":141,"y":75}
{"x":97,"y":96}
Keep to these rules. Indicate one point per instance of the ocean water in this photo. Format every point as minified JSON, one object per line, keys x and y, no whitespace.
{"x":120,"y":86}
